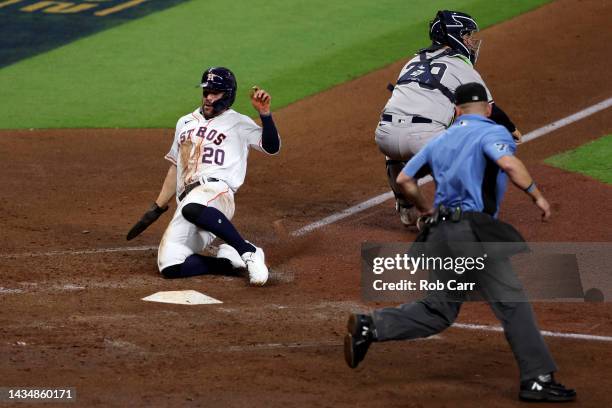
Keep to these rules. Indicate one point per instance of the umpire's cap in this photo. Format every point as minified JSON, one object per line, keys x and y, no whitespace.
{"x":470,"y":92}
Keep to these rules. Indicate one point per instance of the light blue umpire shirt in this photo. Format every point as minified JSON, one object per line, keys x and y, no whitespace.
{"x":462,"y":163}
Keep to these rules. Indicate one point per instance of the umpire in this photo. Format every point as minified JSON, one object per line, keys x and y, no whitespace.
{"x":466,"y":161}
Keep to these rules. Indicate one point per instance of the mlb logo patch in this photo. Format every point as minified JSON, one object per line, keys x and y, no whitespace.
{"x":501,"y":147}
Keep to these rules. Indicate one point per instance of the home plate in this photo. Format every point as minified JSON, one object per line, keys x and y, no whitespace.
{"x":182,"y":297}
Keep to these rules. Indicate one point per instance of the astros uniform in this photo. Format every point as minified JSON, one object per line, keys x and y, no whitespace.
{"x":214,"y":153}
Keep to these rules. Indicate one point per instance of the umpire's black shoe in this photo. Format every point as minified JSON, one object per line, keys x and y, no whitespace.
{"x":551,"y":391}
{"x":361,"y":334}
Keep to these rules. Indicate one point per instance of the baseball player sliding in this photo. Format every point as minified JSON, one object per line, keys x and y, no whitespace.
{"x":422,"y":102}
{"x":208,"y":164}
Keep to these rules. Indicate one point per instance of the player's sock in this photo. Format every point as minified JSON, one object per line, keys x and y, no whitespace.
{"x":213,"y":220}
{"x":197,"y":264}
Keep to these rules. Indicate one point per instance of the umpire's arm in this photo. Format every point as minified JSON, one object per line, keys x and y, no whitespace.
{"x":516,"y":170}
{"x":412,"y":192}
{"x":407,"y":180}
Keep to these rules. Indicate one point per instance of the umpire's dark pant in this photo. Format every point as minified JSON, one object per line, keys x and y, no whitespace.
{"x":436,"y":312}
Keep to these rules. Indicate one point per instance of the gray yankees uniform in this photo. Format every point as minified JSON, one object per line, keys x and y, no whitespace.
{"x":420,"y":108}
{"x":416,"y":113}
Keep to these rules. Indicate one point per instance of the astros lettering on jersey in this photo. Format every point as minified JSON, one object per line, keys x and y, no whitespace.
{"x":216,"y":147}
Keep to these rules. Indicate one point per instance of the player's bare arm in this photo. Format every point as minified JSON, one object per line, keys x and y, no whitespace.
{"x":168,"y":189}
{"x":411,"y":190}
{"x":159,"y":207}
{"x":519,"y":175}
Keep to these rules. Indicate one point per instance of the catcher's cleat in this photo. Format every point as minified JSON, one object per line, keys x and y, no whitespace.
{"x":256,"y":265}
{"x":228,"y":252}
{"x":408,"y":215}
{"x":545,"y":391}
{"x":361,"y":334}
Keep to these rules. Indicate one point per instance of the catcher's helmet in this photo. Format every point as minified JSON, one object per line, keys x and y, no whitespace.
{"x":449,"y":28}
{"x":220,"y":79}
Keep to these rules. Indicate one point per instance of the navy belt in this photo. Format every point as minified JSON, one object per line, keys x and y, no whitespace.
{"x":385,"y":117}
{"x":194,"y":185}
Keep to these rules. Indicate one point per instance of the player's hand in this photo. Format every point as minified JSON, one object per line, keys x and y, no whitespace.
{"x":517,"y":136}
{"x":423,"y":218}
{"x":147,"y":219}
{"x":544,"y":207}
{"x":260,"y":100}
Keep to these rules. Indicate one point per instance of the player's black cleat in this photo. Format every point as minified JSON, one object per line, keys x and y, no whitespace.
{"x":360,"y":335}
{"x":551,"y":391}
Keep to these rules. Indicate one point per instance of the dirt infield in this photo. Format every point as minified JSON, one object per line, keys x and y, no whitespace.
{"x":74,"y":319}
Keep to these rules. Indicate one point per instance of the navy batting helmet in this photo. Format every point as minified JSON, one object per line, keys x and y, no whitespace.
{"x":450,"y":28}
{"x":220,"y":79}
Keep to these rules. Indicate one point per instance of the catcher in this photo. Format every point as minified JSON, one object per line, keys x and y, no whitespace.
{"x":422,"y":102}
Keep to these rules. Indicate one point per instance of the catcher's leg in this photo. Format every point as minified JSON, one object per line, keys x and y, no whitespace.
{"x":391,"y":140}
{"x":406,"y":210}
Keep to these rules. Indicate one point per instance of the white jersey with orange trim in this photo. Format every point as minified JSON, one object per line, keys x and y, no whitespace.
{"x":213,"y":148}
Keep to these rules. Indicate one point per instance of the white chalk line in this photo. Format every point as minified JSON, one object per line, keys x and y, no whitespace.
{"x":465,"y":326}
{"x":372,"y":202}
{"x":546,"y":333}
{"x":80,"y":252}
{"x":568,"y":120}
{"x":298,"y":345}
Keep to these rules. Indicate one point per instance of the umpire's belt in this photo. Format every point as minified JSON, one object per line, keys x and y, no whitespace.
{"x":385,"y":117}
{"x":194,"y":185}
{"x":443,"y":213}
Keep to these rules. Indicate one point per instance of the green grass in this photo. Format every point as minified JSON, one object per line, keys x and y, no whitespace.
{"x":143,"y":73}
{"x":592,"y":159}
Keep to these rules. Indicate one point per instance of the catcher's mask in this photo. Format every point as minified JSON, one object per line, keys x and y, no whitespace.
{"x":220,"y":79}
{"x":456,"y":30}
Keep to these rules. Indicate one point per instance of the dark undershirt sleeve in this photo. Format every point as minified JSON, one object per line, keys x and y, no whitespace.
{"x":270,"y":140}
{"x":499,"y":116}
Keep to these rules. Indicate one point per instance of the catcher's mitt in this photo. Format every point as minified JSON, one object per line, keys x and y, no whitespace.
{"x":147,"y":219}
